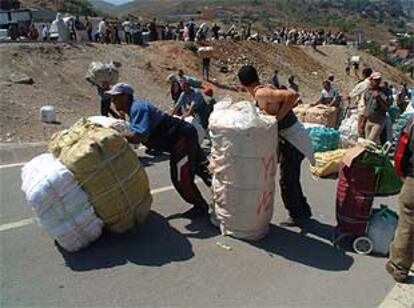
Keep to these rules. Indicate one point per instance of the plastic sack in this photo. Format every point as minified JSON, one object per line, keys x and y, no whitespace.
{"x":200,"y":130}
{"x":402,"y":121}
{"x":205,"y":52}
{"x":244,"y":163}
{"x":324,"y":139}
{"x":387,"y":180}
{"x":320,"y":114}
{"x":324,"y":115}
{"x":327,"y":163}
{"x":120,"y":126}
{"x":194,"y":82}
{"x":381,"y":229}
{"x":98,"y":73}
{"x":348,"y":131}
{"x":59,"y":203}
{"x":108,"y":170}
{"x":394,"y":113}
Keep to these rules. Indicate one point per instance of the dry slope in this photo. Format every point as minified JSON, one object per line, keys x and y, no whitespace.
{"x":58,"y":72}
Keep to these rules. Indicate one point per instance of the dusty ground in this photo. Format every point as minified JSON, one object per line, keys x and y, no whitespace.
{"x":58,"y":71}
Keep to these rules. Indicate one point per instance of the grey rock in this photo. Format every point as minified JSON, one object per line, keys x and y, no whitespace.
{"x":21,"y":78}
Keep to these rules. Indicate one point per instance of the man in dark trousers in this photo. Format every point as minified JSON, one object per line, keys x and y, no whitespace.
{"x":291,"y":150}
{"x":402,"y":248}
{"x":164,"y":133}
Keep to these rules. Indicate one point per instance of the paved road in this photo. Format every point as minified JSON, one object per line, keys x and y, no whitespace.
{"x":177,"y":263}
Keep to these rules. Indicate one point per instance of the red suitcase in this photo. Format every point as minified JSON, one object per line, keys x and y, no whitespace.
{"x":355,"y":196}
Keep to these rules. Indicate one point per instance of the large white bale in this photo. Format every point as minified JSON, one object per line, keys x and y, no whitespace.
{"x":59,"y":203}
{"x":244,"y":164}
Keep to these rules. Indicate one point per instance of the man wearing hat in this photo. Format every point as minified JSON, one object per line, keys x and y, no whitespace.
{"x":161,"y":132}
{"x":377,"y":104}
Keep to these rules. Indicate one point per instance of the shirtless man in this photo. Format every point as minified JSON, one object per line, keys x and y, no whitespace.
{"x":291,"y":148}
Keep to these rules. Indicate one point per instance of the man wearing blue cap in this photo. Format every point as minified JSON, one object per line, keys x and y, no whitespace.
{"x":161,"y":132}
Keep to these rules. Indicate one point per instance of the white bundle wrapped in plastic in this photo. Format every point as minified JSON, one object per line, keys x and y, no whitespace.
{"x":244,"y":163}
{"x":99,"y":73}
{"x":120,"y":126}
{"x":349,"y":131}
{"x":59,"y":203}
{"x":200,"y":130}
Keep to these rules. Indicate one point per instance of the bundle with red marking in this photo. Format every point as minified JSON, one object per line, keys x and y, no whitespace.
{"x":244,"y":163}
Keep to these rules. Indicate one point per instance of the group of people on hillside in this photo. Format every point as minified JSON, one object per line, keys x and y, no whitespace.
{"x":131,"y":32}
{"x":307,"y":37}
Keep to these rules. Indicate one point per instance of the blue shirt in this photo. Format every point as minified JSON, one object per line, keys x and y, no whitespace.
{"x":145,"y":118}
{"x":186,"y":100}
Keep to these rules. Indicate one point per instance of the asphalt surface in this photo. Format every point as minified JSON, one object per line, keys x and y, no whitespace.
{"x":173,"y":262}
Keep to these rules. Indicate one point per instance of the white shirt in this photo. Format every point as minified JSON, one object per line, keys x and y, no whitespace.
{"x":127,"y":26}
{"x":102,"y":27}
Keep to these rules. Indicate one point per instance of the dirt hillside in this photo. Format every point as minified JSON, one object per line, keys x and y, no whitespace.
{"x":58,"y":72}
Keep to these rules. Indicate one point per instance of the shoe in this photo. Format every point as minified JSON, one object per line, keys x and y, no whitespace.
{"x":396,"y":273}
{"x":294,"y":222}
{"x":194,"y":212}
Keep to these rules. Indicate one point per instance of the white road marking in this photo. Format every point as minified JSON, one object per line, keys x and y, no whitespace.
{"x":25,"y":222}
{"x":18,"y":224}
{"x":401,"y":296}
{"x":12,"y":165}
{"x":24,"y":163}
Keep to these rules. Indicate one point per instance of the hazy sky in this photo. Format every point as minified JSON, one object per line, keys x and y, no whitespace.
{"x":118,"y":1}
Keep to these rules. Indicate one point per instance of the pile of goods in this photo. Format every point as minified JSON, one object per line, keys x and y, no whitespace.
{"x":348,"y":131}
{"x":205,"y":52}
{"x":327,"y":163}
{"x":320,"y":114}
{"x":324,"y":139}
{"x":109,"y":180}
{"x":244,"y":164}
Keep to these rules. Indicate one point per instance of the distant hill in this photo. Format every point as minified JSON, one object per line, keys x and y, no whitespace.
{"x":103,"y":6}
{"x":76,"y":7}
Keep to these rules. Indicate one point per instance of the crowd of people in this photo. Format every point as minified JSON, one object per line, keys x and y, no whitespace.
{"x":164,"y":132}
{"x":132,"y":32}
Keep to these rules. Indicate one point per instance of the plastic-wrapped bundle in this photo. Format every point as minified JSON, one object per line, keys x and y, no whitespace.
{"x":108,"y":170}
{"x":320,"y":114}
{"x":205,"y":52}
{"x":327,"y":163}
{"x":381,"y":229}
{"x":400,"y":125}
{"x":119,"y":125}
{"x":244,"y":163}
{"x":59,"y":203}
{"x":324,"y":139}
{"x":394,"y":113}
{"x":200,"y":130}
{"x":99,"y":73}
{"x":349,"y":131}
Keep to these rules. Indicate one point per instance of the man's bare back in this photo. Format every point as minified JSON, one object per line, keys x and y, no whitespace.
{"x":275,"y":102}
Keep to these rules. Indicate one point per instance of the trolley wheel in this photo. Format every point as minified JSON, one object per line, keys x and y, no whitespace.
{"x":363,"y":245}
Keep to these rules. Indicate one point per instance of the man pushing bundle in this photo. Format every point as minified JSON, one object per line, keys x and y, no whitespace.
{"x":161,"y":132}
